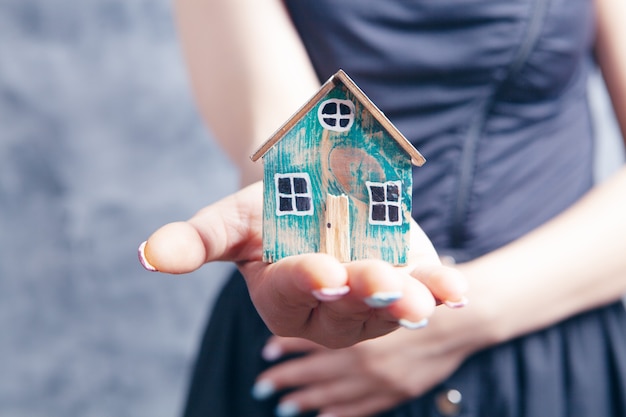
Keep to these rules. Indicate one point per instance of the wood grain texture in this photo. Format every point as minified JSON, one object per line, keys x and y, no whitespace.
{"x":338,"y":163}
{"x":337,"y":227}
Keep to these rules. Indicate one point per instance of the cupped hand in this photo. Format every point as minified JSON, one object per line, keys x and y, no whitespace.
{"x":312,"y":296}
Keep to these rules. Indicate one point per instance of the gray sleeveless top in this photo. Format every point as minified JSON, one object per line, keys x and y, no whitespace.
{"x":491,"y":92}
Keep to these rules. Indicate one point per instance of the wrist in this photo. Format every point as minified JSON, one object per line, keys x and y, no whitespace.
{"x":479,"y":324}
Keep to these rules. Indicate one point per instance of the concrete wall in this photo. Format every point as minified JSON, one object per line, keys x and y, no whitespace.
{"x":100,"y":143}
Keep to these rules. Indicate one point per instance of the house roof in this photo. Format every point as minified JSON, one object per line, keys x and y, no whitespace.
{"x":342,"y":77}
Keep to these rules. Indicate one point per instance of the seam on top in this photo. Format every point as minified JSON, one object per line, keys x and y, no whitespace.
{"x":467,"y":167}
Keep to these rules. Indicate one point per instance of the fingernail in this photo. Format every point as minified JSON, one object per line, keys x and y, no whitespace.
{"x":382,"y":299}
{"x":263,"y":389}
{"x":142,"y":258}
{"x":330,"y":294}
{"x":287,"y":409}
{"x":271,"y":352}
{"x":413,"y":325}
{"x":462,"y":302}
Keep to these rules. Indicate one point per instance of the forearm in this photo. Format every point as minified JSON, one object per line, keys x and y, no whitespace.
{"x":248,"y":69}
{"x":573,"y":263}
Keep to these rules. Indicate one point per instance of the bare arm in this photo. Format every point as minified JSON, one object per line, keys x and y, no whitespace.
{"x":248,"y":68}
{"x":611,"y":54}
{"x":577,"y":261}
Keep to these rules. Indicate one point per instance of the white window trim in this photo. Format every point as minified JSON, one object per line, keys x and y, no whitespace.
{"x":293,"y":195}
{"x":337,"y":116}
{"x":398,"y":203}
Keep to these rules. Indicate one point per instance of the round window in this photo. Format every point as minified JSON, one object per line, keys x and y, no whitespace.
{"x":337,"y":115}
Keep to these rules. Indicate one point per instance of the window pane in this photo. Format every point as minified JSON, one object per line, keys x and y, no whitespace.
{"x":299,"y":185}
{"x":284,"y":185}
{"x":329,"y":121}
{"x":378,"y":212}
{"x":393,"y":192}
{"x":394,"y":214}
{"x":303,"y":203}
{"x":329,"y":108}
{"x":285,"y":204}
{"x":378,"y":193}
{"x":344,"y":109}
{"x":344,"y":122}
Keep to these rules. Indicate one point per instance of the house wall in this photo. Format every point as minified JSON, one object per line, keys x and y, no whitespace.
{"x":337,"y":163}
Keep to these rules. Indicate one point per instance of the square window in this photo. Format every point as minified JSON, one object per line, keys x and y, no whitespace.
{"x":385,"y":204}
{"x":293,"y":194}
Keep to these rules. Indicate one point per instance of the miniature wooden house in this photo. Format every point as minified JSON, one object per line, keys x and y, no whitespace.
{"x":337,"y":179}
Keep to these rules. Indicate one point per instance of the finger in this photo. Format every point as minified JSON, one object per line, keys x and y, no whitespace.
{"x":284,"y":292}
{"x":415,"y":307}
{"x":394,"y":295}
{"x":277,"y":347}
{"x":227,"y":230}
{"x":331,"y":393}
{"x":375,"y":282}
{"x":311,"y":369}
{"x":447,"y":284}
{"x":175,"y":248}
{"x":361,"y":314}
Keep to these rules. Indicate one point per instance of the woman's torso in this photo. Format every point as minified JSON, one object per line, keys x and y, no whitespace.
{"x":492,"y":93}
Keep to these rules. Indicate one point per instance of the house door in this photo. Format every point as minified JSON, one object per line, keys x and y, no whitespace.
{"x":337,"y":236}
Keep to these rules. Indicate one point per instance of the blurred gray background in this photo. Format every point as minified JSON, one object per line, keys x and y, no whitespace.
{"x":100,"y":144}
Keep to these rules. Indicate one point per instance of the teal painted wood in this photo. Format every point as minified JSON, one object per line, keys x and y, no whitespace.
{"x":337,"y":163}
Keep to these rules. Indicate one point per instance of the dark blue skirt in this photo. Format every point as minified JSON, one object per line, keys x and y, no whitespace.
{"x":576,"y":368}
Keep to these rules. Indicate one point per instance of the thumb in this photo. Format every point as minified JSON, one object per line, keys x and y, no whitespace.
{"x":229,"y":230}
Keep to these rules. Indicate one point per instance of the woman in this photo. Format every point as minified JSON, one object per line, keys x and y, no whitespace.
{"x":494,"y":94}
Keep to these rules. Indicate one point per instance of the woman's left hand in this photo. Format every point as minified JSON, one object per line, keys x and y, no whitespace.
{"x":369,"y":377}
{"x":311,"y":295}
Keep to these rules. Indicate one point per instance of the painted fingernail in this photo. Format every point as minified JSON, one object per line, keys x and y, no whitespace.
{"x":287,"y":409}
{"x":413,"y":325}
{"x":263,"y":389}
{"x":141,"y":253}
{"x":383,"y":299}
{"x":330,"y":294}
{"x":462,"y":302}
{"x":271,"y":352}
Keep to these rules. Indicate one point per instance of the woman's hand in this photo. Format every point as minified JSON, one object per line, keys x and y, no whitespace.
{"x":369,"y":377}
{"x":313,"y":296}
